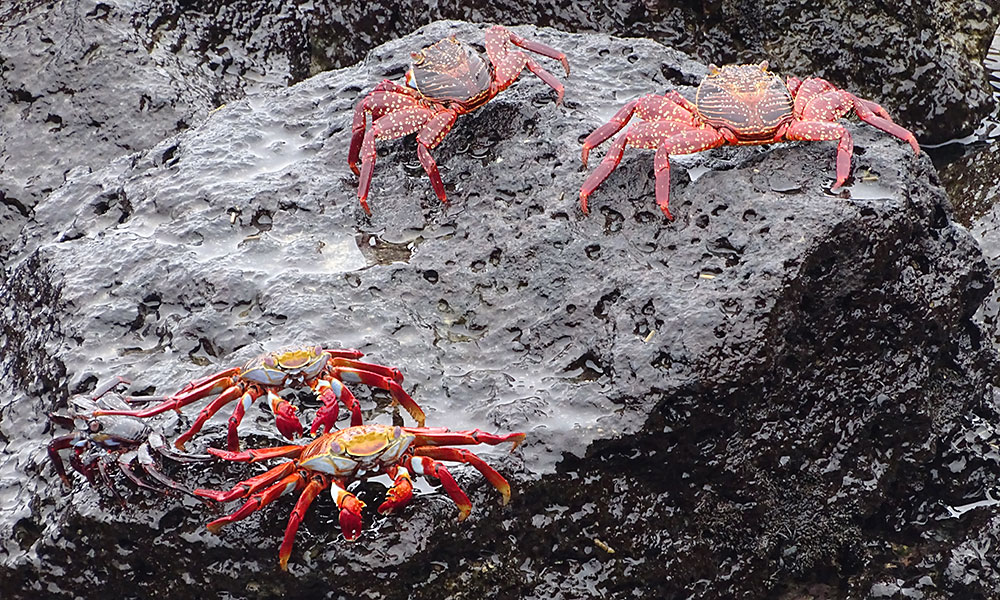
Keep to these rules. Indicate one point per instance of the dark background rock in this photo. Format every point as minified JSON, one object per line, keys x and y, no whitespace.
{"x":781,"y":393}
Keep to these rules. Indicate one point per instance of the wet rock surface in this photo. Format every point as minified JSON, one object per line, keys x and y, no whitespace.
{"x":922,"y":60}
{"x":87,"y":81}
{"x":781,"y":392}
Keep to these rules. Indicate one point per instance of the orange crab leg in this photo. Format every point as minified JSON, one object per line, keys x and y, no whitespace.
{"x":259,"y":500}
{"x":316,"y":484}
{"x":428,"y":467}
{"x":249,"y":486}
{"x":464,"y":456}
{"x":390,"y":372}
{"x":441,"y":436}
{"x":399,"y":395}
{"x":343,"y":353}
{"x":285,"y":418}
{"x":206,"y":413}
{"x":331,"y":391}
{"x":258,"y":454}
{"x":202,"y":388}
{"x":350,"y":510}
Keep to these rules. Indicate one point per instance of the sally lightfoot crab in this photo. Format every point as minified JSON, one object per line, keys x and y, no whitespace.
{"x":102,"y":442}
{"x":336,"y":459}
{"x":324,"y":371}
{"x":445,"y":80}
{"x":736,"y":105}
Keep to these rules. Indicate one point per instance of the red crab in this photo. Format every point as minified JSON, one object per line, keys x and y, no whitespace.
{"x":321,"y":370}
{"x":336,"y":459}
{"x":736,"y":105}
{"x":446,"y":79}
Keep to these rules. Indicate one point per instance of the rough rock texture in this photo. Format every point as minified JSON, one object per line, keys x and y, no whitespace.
{"x":923,"y":60}
{"x":85,"y":81}
{"x":780,"y":393}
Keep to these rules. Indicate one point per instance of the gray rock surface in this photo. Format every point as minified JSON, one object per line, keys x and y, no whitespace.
{"x":780,"y":392}
{"x":86,"y":81}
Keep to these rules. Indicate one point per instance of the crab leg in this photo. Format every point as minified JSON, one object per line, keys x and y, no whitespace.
{"x":441,"y":436}
{"x":429,"y":137}
{"x":671,"y":113}
{"x":331,"y":391}
{"x":608,"y":164}
{"x":231,"y":393}
{"x":60,"y":443}
{"x":156,"y":442}
{"x":249,"y":486}
{"x":343,"y":353}
{"x":259,"y":500}
{"x":285,"y":418}
{"x":875,"y":115}
{"x":508,"y":63}
{"x":390,"y":126}
{"x":102,"y":469}
{"x":399,"y":395}
{"x":428,"y":467}
{"x":390,"y":372}
{"x":602,"y":133}
{"x":194,"y":391}
{"x":258,"y":454}
{"x":825,"y":130}
{"x":464,"y":456}
{"x":149,"y":465}
{"x":316,"y":485}
{"x":536,"y":47}
{"x":350,"y":510}
{"x":386,"y":97}
{"x":548,"y":78}
{"x":125,"y":466}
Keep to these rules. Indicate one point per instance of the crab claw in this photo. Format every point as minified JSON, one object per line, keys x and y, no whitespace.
{"x":350,"y":516}
{"x":286,"y":419}
{"x":326,"y":418}
{"x":399,"y":495}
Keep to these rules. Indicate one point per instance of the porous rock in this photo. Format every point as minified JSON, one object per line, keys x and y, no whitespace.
{"x":781,"y":390}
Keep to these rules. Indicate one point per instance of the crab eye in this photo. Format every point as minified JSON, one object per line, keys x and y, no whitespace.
{"x":763,"y":65}
{"x":396,"y":433}
{"x":94,"y":426}
{"x":713,"y":70}
{"x":453,"y":39}
{"x":269,"y":361}
{"x":317,"y":350}
{"x":336,"y":448}
{"x":417,"y":57}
